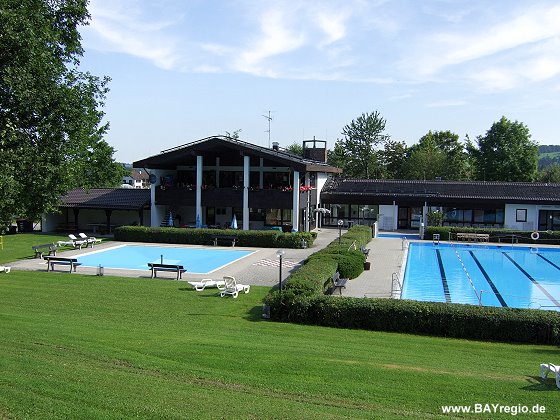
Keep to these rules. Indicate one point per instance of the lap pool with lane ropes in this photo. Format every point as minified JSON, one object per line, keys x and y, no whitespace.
{"x":137,"y":257}
{"x":506,"y":276}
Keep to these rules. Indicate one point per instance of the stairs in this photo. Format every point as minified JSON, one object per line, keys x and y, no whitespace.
{"x":167,"y":218}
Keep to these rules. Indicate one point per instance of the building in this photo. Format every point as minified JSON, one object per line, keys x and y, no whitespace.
{"x":212,"y":181}
{"x":137,"y":178}
{"x":399,"y":204}
{"x":99,"y":210}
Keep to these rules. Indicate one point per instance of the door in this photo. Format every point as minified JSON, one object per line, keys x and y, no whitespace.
{"x":404,"y":218}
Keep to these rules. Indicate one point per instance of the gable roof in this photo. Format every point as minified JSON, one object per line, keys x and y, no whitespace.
{"x":171,"y":158}
{"x":518,"y":192}
{"x":107,"y":198}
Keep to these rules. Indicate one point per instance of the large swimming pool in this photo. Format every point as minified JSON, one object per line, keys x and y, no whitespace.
{"x":137,"y":257}
{"x":518,"y":277}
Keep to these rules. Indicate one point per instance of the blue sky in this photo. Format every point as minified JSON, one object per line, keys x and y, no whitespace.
{"x":185,"y":70}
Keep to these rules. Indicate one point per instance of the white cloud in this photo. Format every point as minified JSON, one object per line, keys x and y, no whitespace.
{"x":121,"y":27}
{"x":499,"y":54}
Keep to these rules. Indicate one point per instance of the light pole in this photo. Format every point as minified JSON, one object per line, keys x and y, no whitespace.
{"x":280,"y":254}
{"x":340,"y":223}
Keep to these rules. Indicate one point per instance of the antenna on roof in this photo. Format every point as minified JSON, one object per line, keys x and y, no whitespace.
{"x":269,"y":118}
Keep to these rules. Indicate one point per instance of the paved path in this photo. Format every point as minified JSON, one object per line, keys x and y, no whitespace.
{"x":262,"y":266}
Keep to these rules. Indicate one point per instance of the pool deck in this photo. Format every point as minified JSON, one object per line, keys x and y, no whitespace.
{"x":262,"y":267}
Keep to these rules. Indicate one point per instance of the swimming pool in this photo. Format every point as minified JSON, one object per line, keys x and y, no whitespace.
{"x":137,"y":257}
{"x":518,"y":277}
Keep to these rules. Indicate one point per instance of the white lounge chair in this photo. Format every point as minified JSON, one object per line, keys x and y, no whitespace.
{"x":89,"y":239}
{"x":77,"y":243}
{"x":233,"y":288}
{"x":547,"y":368}
{"x":199,"y":286}
{"x":4,"y":269}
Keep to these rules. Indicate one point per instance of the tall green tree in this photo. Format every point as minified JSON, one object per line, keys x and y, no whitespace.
{"x":394,"y":156}
{"x":295,"y":148}
{"x":51,"y":129}
{"x":437,"y":154}
{"x":359,"y":157}
{"x":505,"y":153}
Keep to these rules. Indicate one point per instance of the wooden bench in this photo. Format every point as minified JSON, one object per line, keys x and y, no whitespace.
{"x":70,"y":262}
{"x":226,"y":239}
{"x":155,"y":267}
{"x":338,"y":283}
{"x":39,"y":250}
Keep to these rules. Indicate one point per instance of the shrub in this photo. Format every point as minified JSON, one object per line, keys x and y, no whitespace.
{"x":433,"y":318}
{"x":253,"y":238}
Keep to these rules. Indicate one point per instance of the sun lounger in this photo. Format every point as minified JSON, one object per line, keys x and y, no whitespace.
{"x":233,"y":288}
{"x":91,"y":240}
{"x":199,"y":286}
{"x":4,"y":269}
{"x":547,"y":368}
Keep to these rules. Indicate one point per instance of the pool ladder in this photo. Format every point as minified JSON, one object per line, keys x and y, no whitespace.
{"x":396,"y":286}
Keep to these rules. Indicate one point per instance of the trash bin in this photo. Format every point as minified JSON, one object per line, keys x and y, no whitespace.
{"x":367,"y":265}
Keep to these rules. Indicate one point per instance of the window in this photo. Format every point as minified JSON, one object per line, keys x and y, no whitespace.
{"x":521,"y":215}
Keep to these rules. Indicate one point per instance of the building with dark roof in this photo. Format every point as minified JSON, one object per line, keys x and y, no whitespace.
{"x":99,"y":209}
{"x":209,"y":181}
{"x":399,"y":204}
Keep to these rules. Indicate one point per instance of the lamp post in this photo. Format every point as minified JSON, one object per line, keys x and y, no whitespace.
{"x":280,"y":254}
{"x":340,"y":223}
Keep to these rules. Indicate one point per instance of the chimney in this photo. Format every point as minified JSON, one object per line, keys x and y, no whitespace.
{"x":275,"y":146}
{"x":314,"y":151}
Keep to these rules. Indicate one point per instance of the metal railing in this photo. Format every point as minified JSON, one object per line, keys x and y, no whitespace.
{"x":396,"y":286}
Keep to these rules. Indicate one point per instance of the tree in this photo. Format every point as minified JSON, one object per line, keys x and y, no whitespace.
{"x":234,"y":135}
{"x":51,"y":129}
{"x":356,"y":152}
{"x":505,"y":153}
{"x":295,"y":149}
{"x":394,"y":157}
{"x":550,"y":174}
{"x":437,"y":154}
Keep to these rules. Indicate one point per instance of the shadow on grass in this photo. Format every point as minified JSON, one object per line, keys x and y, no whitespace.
{"x":537,"y":384}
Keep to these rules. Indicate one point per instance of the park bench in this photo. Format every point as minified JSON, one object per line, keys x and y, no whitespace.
{"x":224,"y":239}
{"x":176,"y":268}
{"x":39,"y":250}
{"x":338,"y":283}
{"x":52,"y":261}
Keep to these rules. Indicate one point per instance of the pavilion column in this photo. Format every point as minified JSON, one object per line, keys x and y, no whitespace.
{"x":76,"y":212}
{"x":108,"y":216}
{"x":246,"y":172}
{"x":295,"y":208}
{"x":199,"y":165}
{"x":307,"y":220}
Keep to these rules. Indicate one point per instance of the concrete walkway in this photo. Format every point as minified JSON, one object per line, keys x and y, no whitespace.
{"x":262,"y":266}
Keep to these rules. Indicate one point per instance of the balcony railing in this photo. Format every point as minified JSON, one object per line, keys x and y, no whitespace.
{"x":231,"y":197}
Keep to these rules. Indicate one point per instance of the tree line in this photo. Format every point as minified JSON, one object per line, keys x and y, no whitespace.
{"x":505,"y":152}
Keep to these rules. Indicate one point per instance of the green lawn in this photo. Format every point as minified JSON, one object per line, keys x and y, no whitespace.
{"x":18,"y":247}
{"x":76,"y":346}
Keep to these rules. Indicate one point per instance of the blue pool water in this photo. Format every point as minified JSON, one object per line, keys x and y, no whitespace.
{"x":399,"y":235}
{"x":517,"y":277}
{"x":135,"y":257}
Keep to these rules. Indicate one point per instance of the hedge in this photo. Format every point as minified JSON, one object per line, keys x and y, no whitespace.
{"x":315,"y":276}
{"x":252,"y":238}
{"x":408,"y":316}
{"x":523,"y":236}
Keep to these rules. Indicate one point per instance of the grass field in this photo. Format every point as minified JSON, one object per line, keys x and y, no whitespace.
{"x":76,"y":346}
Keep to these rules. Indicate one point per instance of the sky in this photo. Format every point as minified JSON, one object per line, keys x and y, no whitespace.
{"x":183,"y":70}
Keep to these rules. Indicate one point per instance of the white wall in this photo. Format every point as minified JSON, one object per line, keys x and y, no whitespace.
{"x":510,"y":219}
{"x":387,"y":218}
